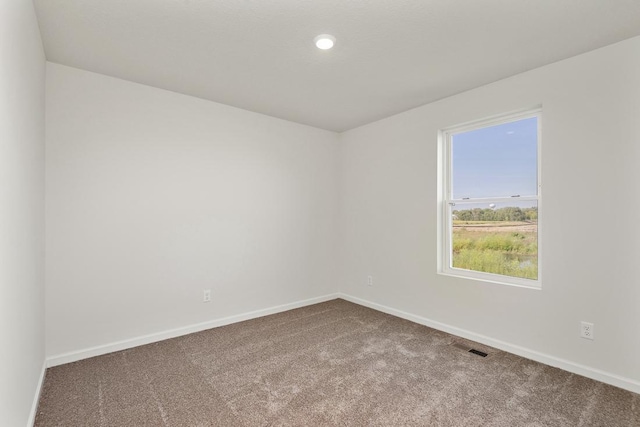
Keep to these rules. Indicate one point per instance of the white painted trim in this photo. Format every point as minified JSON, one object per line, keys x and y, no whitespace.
{"x":576,"y":368}
{"x":73,"y":356}
{"x":36,"y":398}
{"x":596,"y":374}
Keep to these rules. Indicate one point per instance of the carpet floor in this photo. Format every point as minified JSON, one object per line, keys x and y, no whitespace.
{"x":329,"y":364}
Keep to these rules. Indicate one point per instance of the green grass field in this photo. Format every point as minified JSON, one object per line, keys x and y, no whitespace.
{"x":500,"y":247}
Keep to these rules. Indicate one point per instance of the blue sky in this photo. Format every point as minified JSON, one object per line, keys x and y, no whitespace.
{"x":496,"y":161}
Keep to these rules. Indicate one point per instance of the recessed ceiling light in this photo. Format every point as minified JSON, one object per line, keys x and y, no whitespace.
{"x":324,"y":41}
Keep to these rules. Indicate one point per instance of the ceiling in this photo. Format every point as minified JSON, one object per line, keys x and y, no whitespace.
{"x":390,"y":55}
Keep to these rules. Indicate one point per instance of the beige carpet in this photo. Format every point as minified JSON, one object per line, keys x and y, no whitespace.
{"x":330,"y":364}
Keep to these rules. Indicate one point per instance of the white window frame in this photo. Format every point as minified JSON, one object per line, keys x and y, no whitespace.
{"x":446,"y":201}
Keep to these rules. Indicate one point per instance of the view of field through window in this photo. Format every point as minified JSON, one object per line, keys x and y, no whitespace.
{"x":493,"y":199}
{"x":498,"y":240}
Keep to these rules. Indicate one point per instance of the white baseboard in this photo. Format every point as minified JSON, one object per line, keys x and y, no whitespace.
{"x":73,"y":356}
{"x":596,"y":374}
{"x":586,"y":371}
{"x":36,"y":398}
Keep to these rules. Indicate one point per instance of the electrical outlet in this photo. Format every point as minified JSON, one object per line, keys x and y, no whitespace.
{"x":586,"y":330}
{"x":206,"y":295}
{"x":369,"y":280}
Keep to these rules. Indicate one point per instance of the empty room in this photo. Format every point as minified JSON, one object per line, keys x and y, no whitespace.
{"x":319,"y":213}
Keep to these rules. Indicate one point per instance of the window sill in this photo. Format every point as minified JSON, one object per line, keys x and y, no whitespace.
{"x":492,"y":278}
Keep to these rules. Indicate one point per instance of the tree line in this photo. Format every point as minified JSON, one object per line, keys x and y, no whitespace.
{"x":509,"y":213}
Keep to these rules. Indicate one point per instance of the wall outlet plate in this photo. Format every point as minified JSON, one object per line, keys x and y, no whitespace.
{"x":586,"y":330}
{"x":206,"y":295}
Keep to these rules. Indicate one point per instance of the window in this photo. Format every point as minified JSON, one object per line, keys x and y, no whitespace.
{"x":490,"y":200}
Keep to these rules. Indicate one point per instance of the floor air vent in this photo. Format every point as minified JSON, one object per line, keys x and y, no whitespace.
{"x":468,"y":349}
{"x":478,"y":352}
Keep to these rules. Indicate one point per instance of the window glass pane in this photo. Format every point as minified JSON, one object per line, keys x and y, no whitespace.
{"x":498,"y":238}
{"x":496,"y":161}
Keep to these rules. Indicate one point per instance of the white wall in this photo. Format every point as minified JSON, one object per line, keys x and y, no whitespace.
{"x":153,"y":196}
{"x":22,"y":77}
{"x":590,"y":230}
